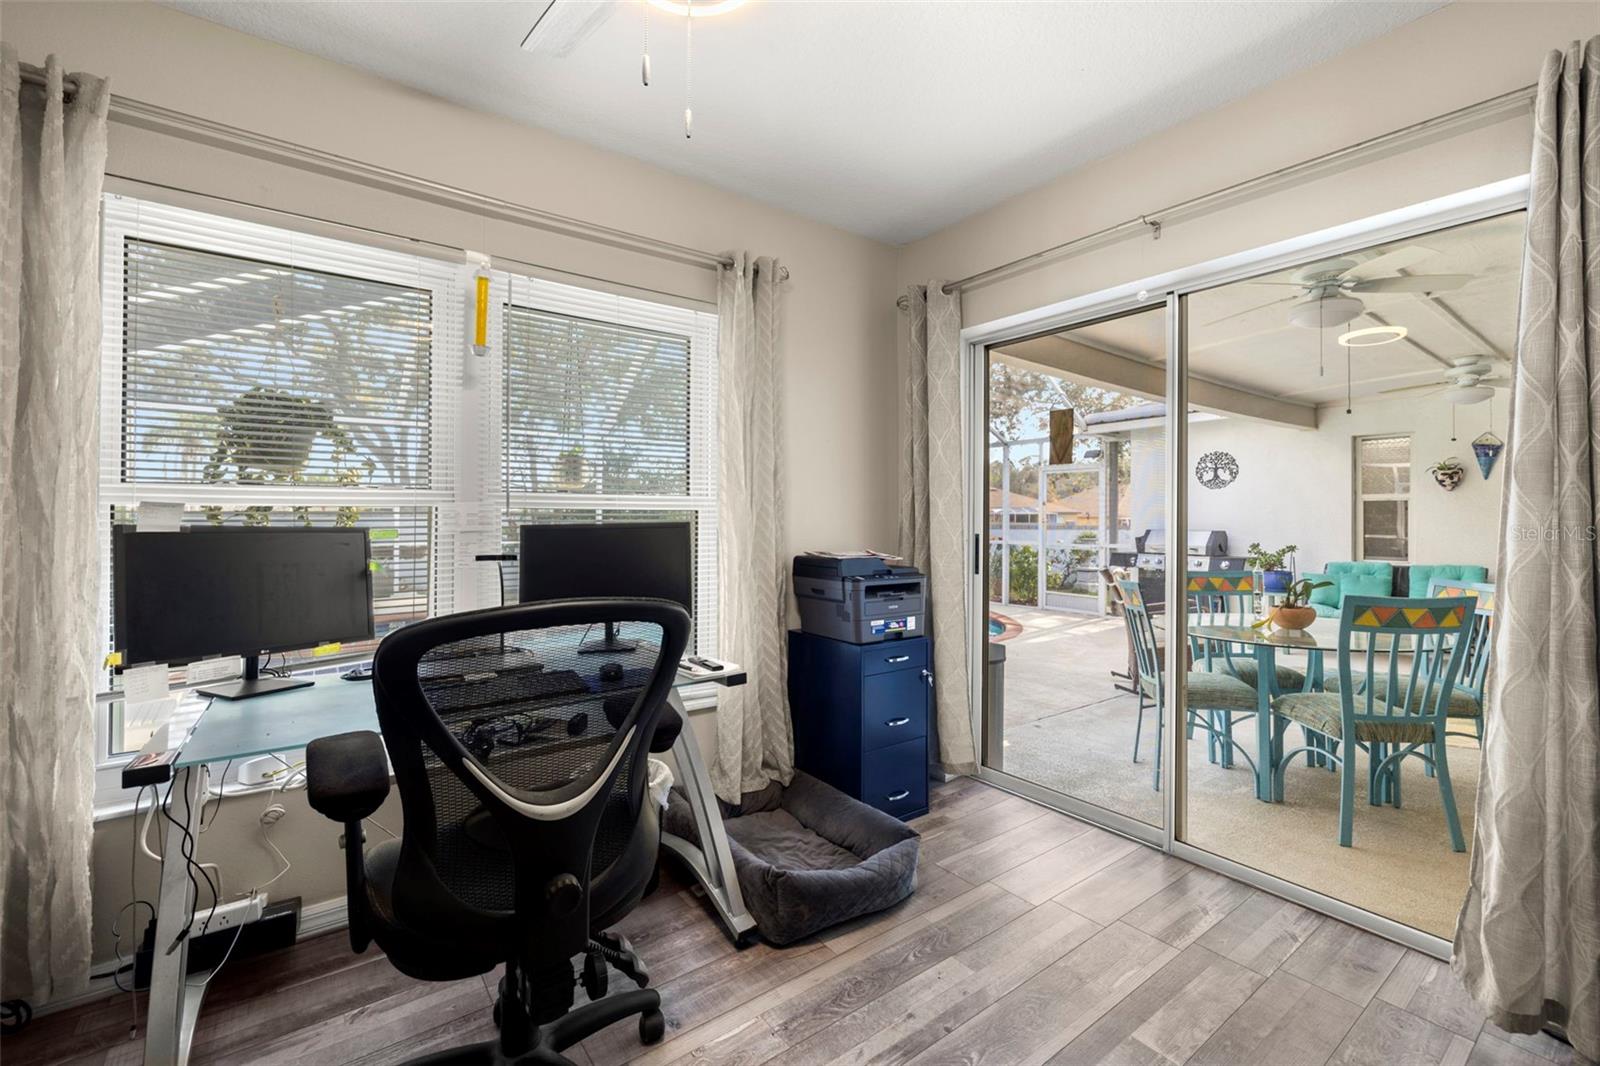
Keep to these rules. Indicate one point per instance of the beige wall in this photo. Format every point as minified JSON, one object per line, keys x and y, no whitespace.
{"x":837,"y":330}
{"x":1459,"y":55}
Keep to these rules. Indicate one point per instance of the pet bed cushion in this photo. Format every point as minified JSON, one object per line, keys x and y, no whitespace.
{"x":809,"y":857}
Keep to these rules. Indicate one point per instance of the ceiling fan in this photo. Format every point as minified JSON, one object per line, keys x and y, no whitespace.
{"x":1325,"y":288}
{"x":1468,"y":380}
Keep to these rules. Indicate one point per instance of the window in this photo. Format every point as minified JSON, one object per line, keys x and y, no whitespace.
{"x":254,"y":375}
{"x":1383,"y":491}
{"x":608,"y":415}
{"x":260,"y":377}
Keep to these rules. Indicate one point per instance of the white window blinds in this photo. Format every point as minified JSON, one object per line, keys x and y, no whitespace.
{"x":260,"y":376}
{"x":608,"y":414}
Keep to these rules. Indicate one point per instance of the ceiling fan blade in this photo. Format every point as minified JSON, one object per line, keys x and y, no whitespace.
{"x":1424,"y":389}
{"x":1390,"y":262}
{"x":1249,"y":310}
{"x":1412,"y":283}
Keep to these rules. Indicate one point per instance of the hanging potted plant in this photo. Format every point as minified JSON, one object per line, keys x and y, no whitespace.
{"x":1448,"y":473}
{"x":1295,"y":612}
{"x":265,"y":436}
{"x":1269,"y":564}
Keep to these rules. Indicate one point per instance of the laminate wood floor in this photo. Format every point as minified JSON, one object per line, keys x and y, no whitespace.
{"x":1032,"y":938}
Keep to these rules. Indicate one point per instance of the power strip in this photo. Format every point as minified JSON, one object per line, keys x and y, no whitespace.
{"x":229,"y":915}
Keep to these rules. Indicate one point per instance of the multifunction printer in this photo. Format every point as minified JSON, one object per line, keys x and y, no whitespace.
{"x":860,"y":598}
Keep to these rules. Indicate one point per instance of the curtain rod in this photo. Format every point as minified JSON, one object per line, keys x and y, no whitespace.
{"x":193,"y":128}
{"x":1152,"y":221}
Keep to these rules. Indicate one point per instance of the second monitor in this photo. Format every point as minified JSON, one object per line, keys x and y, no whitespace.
{"x":649,"y":560}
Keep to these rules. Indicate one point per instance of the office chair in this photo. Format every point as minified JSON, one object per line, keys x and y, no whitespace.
{"x":528,"y":832}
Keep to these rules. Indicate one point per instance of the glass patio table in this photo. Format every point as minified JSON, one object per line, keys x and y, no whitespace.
{"x":1319,"y":637}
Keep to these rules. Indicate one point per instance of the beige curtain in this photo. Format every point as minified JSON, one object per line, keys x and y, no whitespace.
{"x":1527,"y":944}
{"x":754,"y":743}
{"x":932,"y":488}
{"x":52,"y":166}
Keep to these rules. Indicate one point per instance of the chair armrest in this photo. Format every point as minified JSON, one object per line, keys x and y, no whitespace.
{"x":347,"y":776}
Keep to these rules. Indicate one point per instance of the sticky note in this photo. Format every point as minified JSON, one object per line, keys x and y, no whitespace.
{"x":114,"y":659}
{"x":327,"y":649}
{"x":141,"y":684}
{"x":152,"y":516}
{"x":383,"y":534}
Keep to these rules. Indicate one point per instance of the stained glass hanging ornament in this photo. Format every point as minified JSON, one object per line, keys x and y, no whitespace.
{"x":1487,"y":447}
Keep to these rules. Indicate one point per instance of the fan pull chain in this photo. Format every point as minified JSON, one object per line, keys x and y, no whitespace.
{"x":1349,"y":376}
{"x":688,"y":69}
{"x":1453,"y":422}
{"x":1322,"y":336}
{"x":644,"y":63}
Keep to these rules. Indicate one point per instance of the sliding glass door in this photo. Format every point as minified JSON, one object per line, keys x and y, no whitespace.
{"x":1075,"y":490}
{"x":1339,"y":409}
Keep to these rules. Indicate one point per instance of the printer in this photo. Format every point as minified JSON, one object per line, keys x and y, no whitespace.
{"x":860,"y":598}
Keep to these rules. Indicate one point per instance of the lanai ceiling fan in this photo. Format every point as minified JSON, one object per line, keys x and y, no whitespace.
{"x":1326,"y":288}
{"x":1468,"y":380}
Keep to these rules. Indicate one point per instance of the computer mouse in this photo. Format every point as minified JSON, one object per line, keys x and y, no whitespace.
{"x":611,"y":672}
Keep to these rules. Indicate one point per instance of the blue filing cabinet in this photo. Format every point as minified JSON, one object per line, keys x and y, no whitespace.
{"x":860,"y":714}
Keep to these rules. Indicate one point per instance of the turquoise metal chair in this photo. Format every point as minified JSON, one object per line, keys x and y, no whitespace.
{"x":1466,"y":699}
{"x":1227,"y":598}
{"x":1206,"y":691}
{"x":1404,"y":717}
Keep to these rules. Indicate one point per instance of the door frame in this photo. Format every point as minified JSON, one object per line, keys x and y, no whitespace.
{"x":1172,"y":288}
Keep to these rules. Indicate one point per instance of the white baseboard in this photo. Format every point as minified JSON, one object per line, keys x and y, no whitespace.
{"x":315,"y":919}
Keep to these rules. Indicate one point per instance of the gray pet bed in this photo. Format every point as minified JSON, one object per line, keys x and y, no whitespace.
{"x":808,"y":856}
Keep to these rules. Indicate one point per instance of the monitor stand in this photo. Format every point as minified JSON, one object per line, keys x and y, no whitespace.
{"x":253,"y":684}
{"x":610,"y":645}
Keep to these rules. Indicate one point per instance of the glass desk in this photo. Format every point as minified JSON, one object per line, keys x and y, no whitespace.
{"x":1264,"y":644}
{"x":201,"y":733}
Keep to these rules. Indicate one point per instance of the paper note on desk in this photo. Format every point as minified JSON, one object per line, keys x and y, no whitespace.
{"x":141,"y":684}
{"x":152,"y":516}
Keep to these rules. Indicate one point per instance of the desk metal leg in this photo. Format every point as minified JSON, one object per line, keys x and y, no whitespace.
{"x":711,"y":864}
{"x":173,"y":1004}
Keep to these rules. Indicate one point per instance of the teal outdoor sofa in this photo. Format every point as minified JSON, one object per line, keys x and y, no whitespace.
{"x":1371,"y":578}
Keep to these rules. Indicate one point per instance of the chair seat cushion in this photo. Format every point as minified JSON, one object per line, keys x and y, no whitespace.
{"x":1322,"y":711}
{"x":1463,"y":704}
{"x":1213,"y":691}
{"x":1244,"y":669}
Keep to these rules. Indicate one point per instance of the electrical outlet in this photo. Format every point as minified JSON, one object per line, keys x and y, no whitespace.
{"x":229,"y":915}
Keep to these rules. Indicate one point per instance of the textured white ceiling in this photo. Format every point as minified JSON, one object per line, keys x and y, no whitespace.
{"x":889,"y":119}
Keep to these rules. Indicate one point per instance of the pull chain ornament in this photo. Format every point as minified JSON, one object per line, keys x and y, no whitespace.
{"x":644,"y":63}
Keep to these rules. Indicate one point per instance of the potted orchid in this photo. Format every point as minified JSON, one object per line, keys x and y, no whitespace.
{"x":1295,"y":612}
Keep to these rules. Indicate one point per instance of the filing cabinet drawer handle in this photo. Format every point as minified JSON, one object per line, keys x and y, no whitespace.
{"x":891,"y":723}
{"x":898,"y":659}
{"x":898,"y":796}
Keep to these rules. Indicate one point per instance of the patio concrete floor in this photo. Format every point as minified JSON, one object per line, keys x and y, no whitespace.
{"x":1068,"y":729}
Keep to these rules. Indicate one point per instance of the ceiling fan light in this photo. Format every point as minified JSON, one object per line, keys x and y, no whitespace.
{"x":1372,"y":336}
{"x":1461,"y":395}
{"x":1314,"y":313}
{"x":699,"y":10}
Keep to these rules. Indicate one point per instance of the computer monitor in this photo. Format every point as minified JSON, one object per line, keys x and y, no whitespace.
{"x":181,"y":596}
{"x":653,"y":560}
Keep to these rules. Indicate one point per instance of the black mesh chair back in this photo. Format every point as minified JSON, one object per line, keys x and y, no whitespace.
{"x":521,"y":765}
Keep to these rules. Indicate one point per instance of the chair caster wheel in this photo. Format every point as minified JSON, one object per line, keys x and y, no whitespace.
{"x":595,"y":979}
{"x":652,"y":1027}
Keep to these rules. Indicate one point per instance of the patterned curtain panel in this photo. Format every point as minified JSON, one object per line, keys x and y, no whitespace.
{"x":1528,"y":942}
{"x":932,"y":488}
{"x":52,"y":167}
{"x":754,"y":744}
